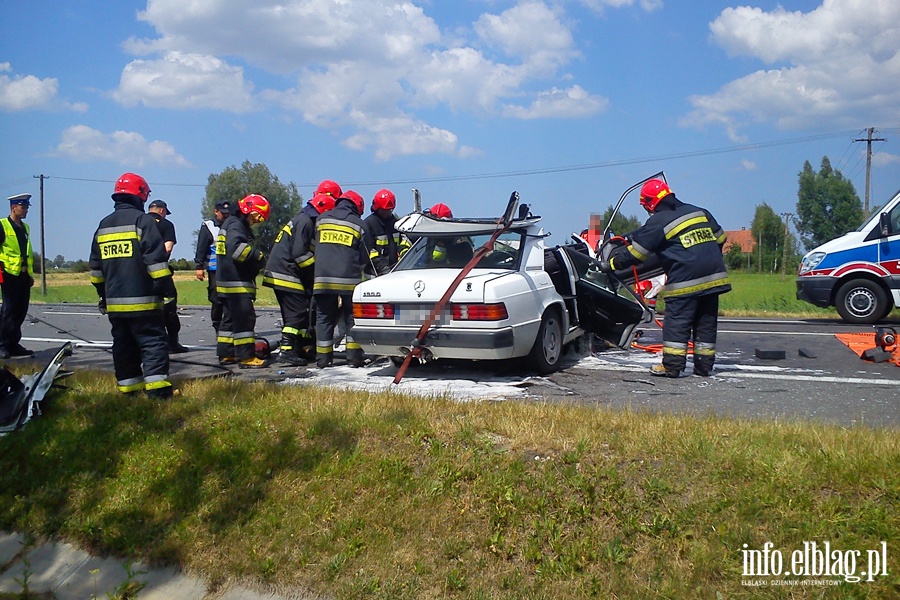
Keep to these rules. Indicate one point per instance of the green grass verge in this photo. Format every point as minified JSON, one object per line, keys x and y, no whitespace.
{"x":360,"y":495}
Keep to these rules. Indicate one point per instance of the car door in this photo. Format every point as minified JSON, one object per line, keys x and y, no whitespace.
{"x":604,"y":305}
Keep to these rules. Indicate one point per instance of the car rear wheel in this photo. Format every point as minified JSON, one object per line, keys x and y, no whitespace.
{"x":861,"y":301}
{"x":544,"y":355}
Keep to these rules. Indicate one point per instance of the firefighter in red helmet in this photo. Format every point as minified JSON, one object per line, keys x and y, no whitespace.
{"x":129,"y":267}
{"x":385,"y":243}
{"x":341,"y":258}
{"x":289,"y":272}
{"x":238,"y":264}
{"x":688,"y":241}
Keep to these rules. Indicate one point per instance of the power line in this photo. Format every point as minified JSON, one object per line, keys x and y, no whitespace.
{"x":549,"y":170}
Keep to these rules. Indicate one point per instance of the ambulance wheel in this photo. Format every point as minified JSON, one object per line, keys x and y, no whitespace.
{"x":547,"y":349}
{"x":861,"y":301}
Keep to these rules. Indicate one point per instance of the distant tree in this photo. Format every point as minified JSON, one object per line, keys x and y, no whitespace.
{"x":181,"y":264}
{"x":79,"y":266}
{"x":827,"y":205}
{"x":621,"y":224}
{"x":734,"y":257}
{"x":59,"y":261}
{"x":234,"y":183}
{"x":770,"y":235}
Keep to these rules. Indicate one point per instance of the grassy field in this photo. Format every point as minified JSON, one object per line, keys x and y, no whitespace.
{"x":359,"y":495}
{"x":752,"y":295}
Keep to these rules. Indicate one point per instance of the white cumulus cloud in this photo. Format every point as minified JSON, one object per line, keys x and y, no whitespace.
{"x":83,"y":143}
{"x":837,"y":64}
{"x":27,"y":92}
{"x":363,"y":67}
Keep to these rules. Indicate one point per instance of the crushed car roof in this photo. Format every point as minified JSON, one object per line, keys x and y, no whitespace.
{"x":423,"y":225}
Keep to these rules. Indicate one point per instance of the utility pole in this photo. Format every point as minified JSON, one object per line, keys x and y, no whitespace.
{"x":43,"y":247}
{"x":787,"y":217}
{"x":868,"y":140}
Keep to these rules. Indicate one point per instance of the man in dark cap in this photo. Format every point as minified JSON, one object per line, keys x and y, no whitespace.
{"x":16,"y":276}
{"x":158,"y":209}
{"x":205,"y":259}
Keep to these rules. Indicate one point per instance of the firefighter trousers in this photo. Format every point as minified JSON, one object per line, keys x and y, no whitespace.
{"x":236,"y":338}
{"x":141,"y":354}
{"x":692,"y":318}
{"x":294,"y":320}
{"x":332,"y":309}
{"x":215,"y":301}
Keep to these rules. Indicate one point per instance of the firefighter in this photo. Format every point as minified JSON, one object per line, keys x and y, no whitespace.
{"x":385,"y":243}
{"x":16,"y":276}
{"x":159,"y":210}
{"x":341,"y":258}
{"x":205,"y":260}
{"x":329,"y":188}
{"x":289,"y":272}
{"x":129,"y":268}
{"x":688,"y":241}
{"x":237,"y":265}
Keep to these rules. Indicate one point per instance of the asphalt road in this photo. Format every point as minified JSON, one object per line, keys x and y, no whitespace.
{"x":833,"y":387}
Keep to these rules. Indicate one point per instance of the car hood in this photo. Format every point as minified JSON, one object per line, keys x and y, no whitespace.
{"x":426,"y":286}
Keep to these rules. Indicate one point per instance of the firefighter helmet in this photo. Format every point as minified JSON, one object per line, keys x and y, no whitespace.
{"x":384,"y":199}
{"x":652,"y":192}
{"x":441,"y":211}
{"x":356,"y":199}
{"x":134,"y":184}
{"x":254,"y":203}
{"x":322,"y":202}
{"x":329,"y":187}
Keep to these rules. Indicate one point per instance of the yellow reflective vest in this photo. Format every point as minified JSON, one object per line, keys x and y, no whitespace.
{"x":11,"y":252}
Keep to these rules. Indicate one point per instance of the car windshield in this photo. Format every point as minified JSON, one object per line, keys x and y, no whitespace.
{"x":454,"y":252}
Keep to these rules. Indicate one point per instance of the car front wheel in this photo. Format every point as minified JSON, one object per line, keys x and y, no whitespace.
{"x":861,"y":301}
{"x":547,"y":349}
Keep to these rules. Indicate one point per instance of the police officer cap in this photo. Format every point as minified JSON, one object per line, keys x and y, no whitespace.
{"x":160,"y":204}
{"x":20,"y":199}
{"x":224,"y":206}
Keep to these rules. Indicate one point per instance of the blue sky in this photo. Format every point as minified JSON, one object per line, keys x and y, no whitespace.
{"x":568,"y":102}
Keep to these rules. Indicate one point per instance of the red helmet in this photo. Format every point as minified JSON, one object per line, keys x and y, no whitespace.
{"x":441,"y":211}
{"x":356,"y":199}
{"x":652,"y":192}
{"x":254,"y":203}
{"x":384,"y":199}
{"x":134,"y":184}
{"x":322,"y":202}
{"x":329,"y":187}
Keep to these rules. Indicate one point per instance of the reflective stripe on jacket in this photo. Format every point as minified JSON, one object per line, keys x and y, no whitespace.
{"x":290,"y":264}
{"x":341,"y":253}
{"x":238,"y":262}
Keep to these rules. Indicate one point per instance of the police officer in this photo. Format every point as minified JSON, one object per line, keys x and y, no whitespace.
{"x":16,"y":276}
{"x":341,"y":257}
{"x":385,"y":243}
{"x":159,"y":210}
{"x":205,"y":259}
{"x":129,"y":268}
{"x":289,"y":272}
{"x":688,"y":241}
{"x":238,"y":263}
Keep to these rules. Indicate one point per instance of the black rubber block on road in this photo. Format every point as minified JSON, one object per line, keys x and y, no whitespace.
{"x":806,"y":353}
{"x":876,"y":355}
{"x":770,"y":354}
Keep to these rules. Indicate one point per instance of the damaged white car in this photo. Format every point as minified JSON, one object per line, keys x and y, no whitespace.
{"x":520,"y":300}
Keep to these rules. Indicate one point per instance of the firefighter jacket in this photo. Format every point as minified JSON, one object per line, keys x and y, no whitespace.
{"x":385,"y":243}
{"x":205,"y":257}
{"x":11,"y":250}
{"x":688,"y":241}
{"x":238,"y":262}
{"x":290,"y":264}
{"x":341,"y":253}
{"x":128,"y":262}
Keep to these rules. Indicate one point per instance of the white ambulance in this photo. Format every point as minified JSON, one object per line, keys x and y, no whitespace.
{"x":859,"y":272}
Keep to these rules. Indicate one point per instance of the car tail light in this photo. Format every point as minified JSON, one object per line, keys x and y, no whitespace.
{"x":370,"y":310}
{"x":480,"y":312}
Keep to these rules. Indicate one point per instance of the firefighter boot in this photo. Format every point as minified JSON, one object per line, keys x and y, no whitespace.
{"x":288,"y":350}
{"x":253,"y":363}
{"x":355,"y":357}
{"x":662,"y":371}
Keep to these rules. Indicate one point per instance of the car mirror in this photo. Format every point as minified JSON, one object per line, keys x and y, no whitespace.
{"x":884,"y":221}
